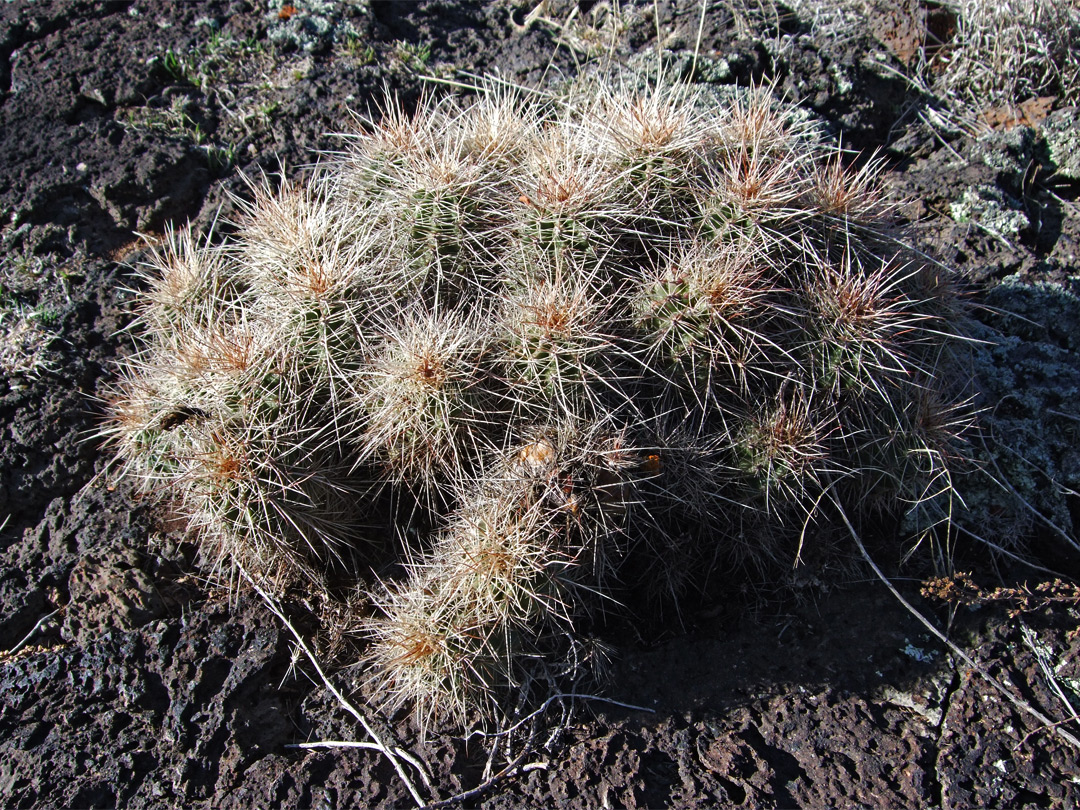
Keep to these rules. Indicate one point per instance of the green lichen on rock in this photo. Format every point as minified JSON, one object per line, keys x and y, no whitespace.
{"x":313,"y":26}
{"x":991,"y":209}
{"x":1009,"y":153}
{"x":1039,"y":311}
{"x":1061,"y":131}
{"x":1028,"y":373}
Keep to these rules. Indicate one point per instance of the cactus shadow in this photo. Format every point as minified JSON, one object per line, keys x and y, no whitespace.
{"x":857,"y":638}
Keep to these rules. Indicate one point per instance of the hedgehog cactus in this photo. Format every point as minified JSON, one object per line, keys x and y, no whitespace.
{"x":552,"y":332}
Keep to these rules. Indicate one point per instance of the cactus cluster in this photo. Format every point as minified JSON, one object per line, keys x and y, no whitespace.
{"x":538,"y":338}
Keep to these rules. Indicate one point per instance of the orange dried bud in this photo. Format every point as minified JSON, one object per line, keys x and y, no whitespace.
{"x":286,"y":12}
{"x":538,"y":455}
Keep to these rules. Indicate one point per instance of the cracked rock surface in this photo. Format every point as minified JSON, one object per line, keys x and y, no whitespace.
{"x":130,"y":682}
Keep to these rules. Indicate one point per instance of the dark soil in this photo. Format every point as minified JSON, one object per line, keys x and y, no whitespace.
{"x":133,"y":683}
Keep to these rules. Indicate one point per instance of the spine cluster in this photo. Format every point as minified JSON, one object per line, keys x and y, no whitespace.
{"x":543,"y":336}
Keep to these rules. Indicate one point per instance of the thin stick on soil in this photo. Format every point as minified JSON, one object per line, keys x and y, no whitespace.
{"x":511,"y":769}
{"x":378,"y":744}
{"x":1019,"y":703}
{"x":543,"y":708}
{"x":368,"y":746}
{"x":30,"y":635}
{"x":515,"y":766}
{"x":1030,"y":641}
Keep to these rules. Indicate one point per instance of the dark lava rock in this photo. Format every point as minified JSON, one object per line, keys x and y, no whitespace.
{"x":145,"y":692}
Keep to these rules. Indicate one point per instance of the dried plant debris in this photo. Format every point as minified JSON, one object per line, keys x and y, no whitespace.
{"x":986,"y":62}
{"x":960,"y":589}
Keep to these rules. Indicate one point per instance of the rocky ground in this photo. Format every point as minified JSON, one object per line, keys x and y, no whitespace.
{"x":128,"y":681}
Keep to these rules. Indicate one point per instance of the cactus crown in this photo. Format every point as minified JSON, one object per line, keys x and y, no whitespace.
{"x":548,"y":333}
